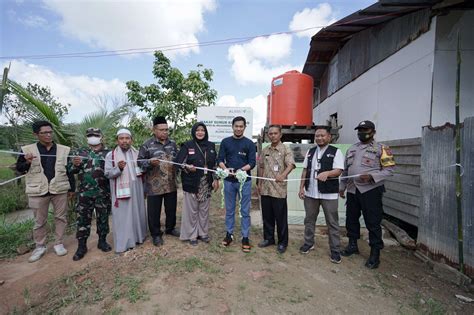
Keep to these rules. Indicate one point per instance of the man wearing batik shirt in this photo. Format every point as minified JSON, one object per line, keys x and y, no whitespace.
{"x":160,"y":179}
{"x":276,"y":162}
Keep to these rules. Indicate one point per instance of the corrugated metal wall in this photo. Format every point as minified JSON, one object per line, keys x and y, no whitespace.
{"x":437,"y":222}
{"x":467,"y":160}
{"x":403,"y":193}
{"x":369,"y":47}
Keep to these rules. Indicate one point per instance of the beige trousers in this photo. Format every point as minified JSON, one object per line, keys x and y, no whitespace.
{"x":40,"y":206}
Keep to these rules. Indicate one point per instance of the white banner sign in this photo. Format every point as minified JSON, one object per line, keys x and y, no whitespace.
{"x":218,"y":120}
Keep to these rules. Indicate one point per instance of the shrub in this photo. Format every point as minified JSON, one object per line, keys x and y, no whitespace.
{"x":12,"y":197}
{"x":13,"y":235}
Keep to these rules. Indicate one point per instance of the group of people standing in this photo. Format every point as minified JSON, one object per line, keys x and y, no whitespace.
{"x":118,"y":181}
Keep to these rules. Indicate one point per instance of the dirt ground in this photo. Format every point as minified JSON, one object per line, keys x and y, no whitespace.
{"x":179,"y":279}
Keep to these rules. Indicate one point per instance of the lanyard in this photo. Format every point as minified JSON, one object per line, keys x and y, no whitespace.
{"x":204,"y":154}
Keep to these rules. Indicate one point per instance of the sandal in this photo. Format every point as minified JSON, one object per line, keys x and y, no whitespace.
{"x":246,"y":247}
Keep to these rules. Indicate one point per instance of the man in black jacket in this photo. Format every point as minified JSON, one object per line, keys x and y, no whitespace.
{"x":320,"y":187}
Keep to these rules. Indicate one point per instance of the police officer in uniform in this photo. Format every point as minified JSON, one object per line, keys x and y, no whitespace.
{"x":373,"y":162}
{"x":93,"y":192}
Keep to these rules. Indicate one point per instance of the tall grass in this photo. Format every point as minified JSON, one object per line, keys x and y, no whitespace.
{"x":12,"y":195}
{"x":13,"y":235}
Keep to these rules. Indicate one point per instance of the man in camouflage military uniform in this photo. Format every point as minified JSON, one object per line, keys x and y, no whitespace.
{"x":93,"y":192}
{"x":373,"y":162}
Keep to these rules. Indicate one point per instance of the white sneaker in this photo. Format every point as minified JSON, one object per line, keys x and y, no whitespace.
{"x":37,"y":254}
{"x":60,"y":250}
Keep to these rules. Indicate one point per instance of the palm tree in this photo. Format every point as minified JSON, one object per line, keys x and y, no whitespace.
{"x":67,"y":134}
{"x":103,"y":119}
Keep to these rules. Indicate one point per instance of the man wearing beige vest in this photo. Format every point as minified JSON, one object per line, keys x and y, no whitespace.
{"x":47,"y":181}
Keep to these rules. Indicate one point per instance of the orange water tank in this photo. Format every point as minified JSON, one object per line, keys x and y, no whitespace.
{"x":291,"y":100}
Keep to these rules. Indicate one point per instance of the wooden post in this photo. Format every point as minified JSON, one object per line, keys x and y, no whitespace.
{"x":458,"y":163}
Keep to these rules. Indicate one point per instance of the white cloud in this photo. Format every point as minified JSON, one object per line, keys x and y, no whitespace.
{"x":34,"y":21}
{"x":257,"y":103}
{"x":82,"y":92}
{"x":116,"y":25}
{"x":256,"y":62}
{"x":322,"y":15}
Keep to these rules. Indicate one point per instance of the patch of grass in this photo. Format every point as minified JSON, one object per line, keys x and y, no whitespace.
{"x":435,"y":307}
{"x":241,"y":287}
{"x":215,"y":247}
{"x":383,"y":283}
{"x":5,"y":162}
{"x":189,"y":264}
{"x":14,"y":235}
{"x":129,"y":287}
{"x":297,"y":296}
{"x":12,"y":197}
{"x":114,"y":311}
{"x":26,"y":297}
{"x":430,"y":306}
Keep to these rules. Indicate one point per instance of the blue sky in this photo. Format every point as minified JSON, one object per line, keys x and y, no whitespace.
{"x":242,"y":71}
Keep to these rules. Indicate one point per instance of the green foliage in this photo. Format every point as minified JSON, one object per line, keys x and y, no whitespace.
{"x":108,"y":122}
{"x":34,"y":107}
{"x":13,"y":235}
{"x":129,"y":287}
{"x":12,"y":198}
{"x":174,"y":96}
{"x":140,"y":128}
{"x":12,"y":195}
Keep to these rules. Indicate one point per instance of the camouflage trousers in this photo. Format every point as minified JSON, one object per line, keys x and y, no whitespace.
{"x":85,"y":207}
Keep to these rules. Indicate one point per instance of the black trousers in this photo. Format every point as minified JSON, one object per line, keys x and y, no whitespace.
{"x":370,"y":203}
{"x":154,"y":212}
{"x":275,"y":210}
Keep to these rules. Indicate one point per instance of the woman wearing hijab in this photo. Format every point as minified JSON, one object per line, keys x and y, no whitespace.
{"x":197,"y":184}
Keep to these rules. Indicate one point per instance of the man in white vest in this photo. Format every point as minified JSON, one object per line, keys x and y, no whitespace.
{"x":47,"y":181}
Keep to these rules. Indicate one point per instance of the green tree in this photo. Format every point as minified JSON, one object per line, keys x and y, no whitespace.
{"x":21,"y":106}
{"x":107,"y":121}
{"x":174,"y":95}
{"x":140,"y":128}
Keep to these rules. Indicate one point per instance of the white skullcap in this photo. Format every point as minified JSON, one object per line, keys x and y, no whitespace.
{"x":124,"y":131}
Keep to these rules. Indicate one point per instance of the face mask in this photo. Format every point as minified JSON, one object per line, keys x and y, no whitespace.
{"x":93,"y":140}
{"x":364,"y":136}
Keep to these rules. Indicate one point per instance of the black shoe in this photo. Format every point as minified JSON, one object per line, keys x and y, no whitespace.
{"x":173,"y":232}
{"x":306,"y":248}
{"x":193,"y":242}
{"x":374,"y":258}
{"x":157,"y":240}
{"x":103,"y":245}
{"x":335,"y":257}
{"x":266,"y":243}
{"x":227,"y":239}
{"x":204,"y":239}
{"x":351,"y":248}
{"x":81,"y":250}
{"x":281,"y":248}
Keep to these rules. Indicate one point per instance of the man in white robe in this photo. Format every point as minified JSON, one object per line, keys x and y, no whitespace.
{"x":126,"y":187}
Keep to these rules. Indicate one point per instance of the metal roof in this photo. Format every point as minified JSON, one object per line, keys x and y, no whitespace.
{"x":326,"y":43}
